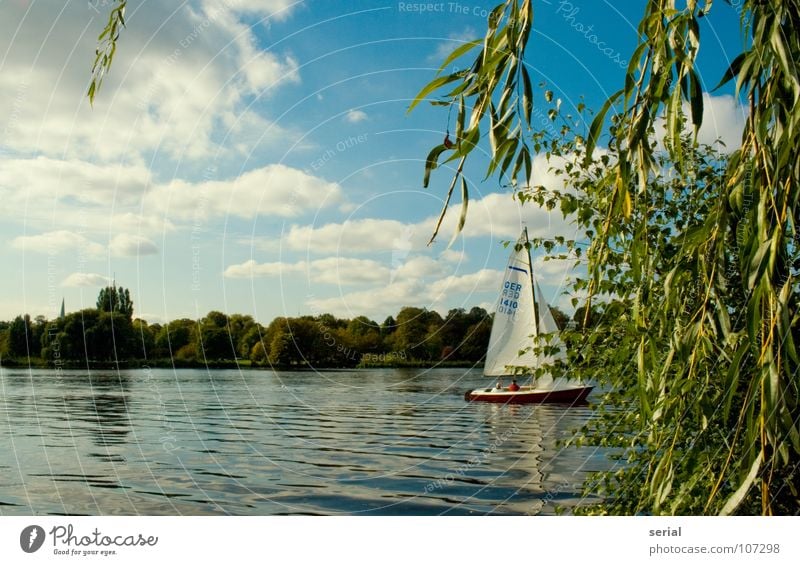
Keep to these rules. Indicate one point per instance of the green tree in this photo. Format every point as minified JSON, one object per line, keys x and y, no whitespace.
{"x":144,"y":339}
{"x":456,"y":334}
{"x":214,"y":338}
{"x":476,"y":341}
{"x":258,"y":354}
{"x":417,"y":334}
{"x":701,"y":357}
{"x":291,"y":342}
{"x":174,"y":336}
{"x":559,"y":316}
{"x":91,"y":335}
{"x":453,"y":330}
{"x":115,"y":300}
{"x":243,"y":334}
{"x":388,"y":328}
{"x":282,"y":351}
{"x":3,"y":339}
{"x":20,"y":342}
{"x":249,"y":340}
{"x":364,"y":335}
{"x":37,"y":333}
{"x":110,"y":338}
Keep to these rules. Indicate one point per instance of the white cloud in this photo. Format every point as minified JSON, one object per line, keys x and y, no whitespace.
{"x":57,"y":242}
{"x":553,"y":270}
{"x":261,"y":69}
{"x":139,"y":222}
{"x":248,"y":131}
{"x":723,"y":120}
{"x":441,"y":294}
{"x":73,"y":195}
{"x":118,"y":198}
{"x":355,"y":116}
{"x":177,"y":72}
{"x":48,"y":182}
{"x":127,"y":245}
{"x":272,"y":9}
{"x":354,"y":236}
{"x":495,"y":215}
{"x":453,"y":256}
{"x":485,"y":280}
{"x":419,"y":267}
{"x":347,"y":271}
{"x":251,"y":269}
{"x":273,"y":190}
{"x":85,"y":280}
{"x":499,"y":216}
{"x":331,"y":270}
{"x":370,"y":302}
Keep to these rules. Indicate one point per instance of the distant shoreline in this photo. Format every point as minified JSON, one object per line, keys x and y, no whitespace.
{"x":38,"y":363}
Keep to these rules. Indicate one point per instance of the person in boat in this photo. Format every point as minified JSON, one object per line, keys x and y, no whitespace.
{"x":513,"y":387}
{"x":498,"y":387}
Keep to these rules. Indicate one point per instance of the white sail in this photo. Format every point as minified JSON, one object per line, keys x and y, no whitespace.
{"x":515,"y":322}
{"x":548,"y":325}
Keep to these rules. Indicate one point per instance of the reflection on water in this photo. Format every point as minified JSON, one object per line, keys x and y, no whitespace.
{"x":259,"y":442}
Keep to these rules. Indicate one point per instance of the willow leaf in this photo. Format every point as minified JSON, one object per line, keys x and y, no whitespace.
{"x":431,"y":162}
{"x":446,"y":204}
{"x":527,"y":95}
{"x":597,"y":126}
{"x":732,"y":71}
{"x":737,"y":497}
{"x":696,"y":101}
{"x":462,"y":218}
{"x":459,"y":52}
{"x":432,"y":86}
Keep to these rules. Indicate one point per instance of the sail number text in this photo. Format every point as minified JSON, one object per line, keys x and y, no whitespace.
{"x":509,"y":299}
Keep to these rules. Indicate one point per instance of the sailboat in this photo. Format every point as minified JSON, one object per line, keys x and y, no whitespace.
{"x":522,"y":314}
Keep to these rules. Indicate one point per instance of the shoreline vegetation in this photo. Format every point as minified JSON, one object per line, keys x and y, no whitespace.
{"x":222,"y":364}
{"x":109,"y":337}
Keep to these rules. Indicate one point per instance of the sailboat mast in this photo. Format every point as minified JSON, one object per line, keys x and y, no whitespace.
{"x":532,"y":287}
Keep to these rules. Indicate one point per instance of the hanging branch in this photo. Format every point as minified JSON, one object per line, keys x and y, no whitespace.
{"x":106,"y":48}
{"x":498,"y":71}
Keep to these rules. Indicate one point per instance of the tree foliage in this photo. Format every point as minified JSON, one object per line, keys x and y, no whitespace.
{"x":20,"y":338}
{"x":106,"y":47}
{"x":692,"y":258}
{"x":102,"y":335}
{"x":497,"y":87}
{"x":115,"y":300}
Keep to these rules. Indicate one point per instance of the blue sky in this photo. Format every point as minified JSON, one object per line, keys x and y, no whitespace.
{"x":256,"y":156}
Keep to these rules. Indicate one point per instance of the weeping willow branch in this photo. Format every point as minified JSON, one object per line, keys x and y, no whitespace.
{"x":106,"y":48}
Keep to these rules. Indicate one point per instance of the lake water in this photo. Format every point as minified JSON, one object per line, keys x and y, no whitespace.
{"x":196,"y":442}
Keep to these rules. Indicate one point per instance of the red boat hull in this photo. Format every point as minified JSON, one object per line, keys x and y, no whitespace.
{"x":575,"y":395}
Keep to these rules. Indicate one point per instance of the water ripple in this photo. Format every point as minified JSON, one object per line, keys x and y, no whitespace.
{"x":176,"y":442}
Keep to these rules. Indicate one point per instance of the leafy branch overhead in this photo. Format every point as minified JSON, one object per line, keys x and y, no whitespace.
{"x":496,"y":86}
{"x":746,"y":238}
{"x":106,"y":47}
{"x":693,"y":256}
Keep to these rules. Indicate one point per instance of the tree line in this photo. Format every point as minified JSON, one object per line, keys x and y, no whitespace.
{"x":109,"y":333}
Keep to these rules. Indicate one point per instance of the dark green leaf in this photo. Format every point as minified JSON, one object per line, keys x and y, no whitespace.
{"x":431,"y":162}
